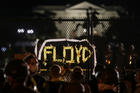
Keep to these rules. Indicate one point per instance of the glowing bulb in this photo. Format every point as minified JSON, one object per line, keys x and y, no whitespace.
{"x":20,"y":31}
{"x":85,"y":30}
{"x":30,"y":31}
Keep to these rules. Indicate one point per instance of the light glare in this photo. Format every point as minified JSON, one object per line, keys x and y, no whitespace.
{"x":20,"y":31}
{"x":30,"y":31}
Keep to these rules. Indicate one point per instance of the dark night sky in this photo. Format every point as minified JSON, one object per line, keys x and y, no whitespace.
{"x":16,"y":6}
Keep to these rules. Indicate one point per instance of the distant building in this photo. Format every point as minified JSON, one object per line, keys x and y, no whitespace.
{"x":78,"y":11}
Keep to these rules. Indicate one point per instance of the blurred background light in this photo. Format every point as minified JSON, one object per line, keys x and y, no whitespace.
{"x":3,"y":49}
{"x":20,"y":31}
{"x":30,"y":31}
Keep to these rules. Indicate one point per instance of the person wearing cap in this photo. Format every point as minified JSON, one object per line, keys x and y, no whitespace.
{"x":76,"y":84}
{"x":52,"y":85}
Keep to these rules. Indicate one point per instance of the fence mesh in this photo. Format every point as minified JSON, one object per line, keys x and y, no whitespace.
{"x":103,"y":31}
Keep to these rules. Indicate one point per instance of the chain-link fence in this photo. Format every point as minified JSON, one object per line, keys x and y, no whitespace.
{"x":68,"y":28}
{"x":103,"y":32}
{"x":116,"y":40}
{"x":76,"y":28}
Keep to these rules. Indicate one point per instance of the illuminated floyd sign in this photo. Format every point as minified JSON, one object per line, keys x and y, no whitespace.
{"x":66,"y":51}
{"x":69,"y":54}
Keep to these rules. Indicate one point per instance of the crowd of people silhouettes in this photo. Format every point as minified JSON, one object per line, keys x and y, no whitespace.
{"x":24,"y":76}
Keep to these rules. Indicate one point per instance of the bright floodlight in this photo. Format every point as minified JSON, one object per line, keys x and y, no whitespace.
{"x":30,"y":31}
{"x":20,"y":31}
